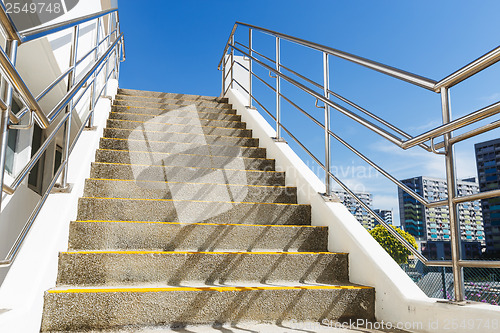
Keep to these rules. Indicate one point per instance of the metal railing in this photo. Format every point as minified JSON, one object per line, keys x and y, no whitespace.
{"x":106,"y":55}
{"x":374,"y":123}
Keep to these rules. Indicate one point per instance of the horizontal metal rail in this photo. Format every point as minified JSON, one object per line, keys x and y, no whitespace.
{"x":76,"y":92}
{"x":12,"y":76}
{"x":35,"y":158}
{"x":470,"y":69}
{"x":389,"y":136}
{"x":408,"y":142}
{"x":405,"y":188}
{"x":7,"y":24}
{"x":70,"y":94}
{"x":454,"y":125}
{"x":11,"y":256}
{"x":35,"y":33}
{"x":227,"y":46}
{"x":379,"y":67}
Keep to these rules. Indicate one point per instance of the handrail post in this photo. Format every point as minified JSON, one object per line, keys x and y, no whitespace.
{"x":69,"y":108}
{"x":326,"y":89}
{"x":110,"y":28}
{"x":278,"y":92}
{"x":223,"y":77}
{"x":11,"y":50}
{"x":232,"y":61}
{"x":92,"y":89}
{"x":250,"y":68}
{"x":458,"y":277}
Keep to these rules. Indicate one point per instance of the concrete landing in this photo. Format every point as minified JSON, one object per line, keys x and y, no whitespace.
{"x":285,"y":327}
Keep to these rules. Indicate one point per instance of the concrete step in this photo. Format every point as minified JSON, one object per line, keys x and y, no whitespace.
{"x":178,"y":128}
{"x":174,"y":236}
{"x":156,"y":94}
{"x":98,"y":268}
{"x":181,"y":174}
{"x":171,"y":119}
{"x":179,"y":147}
{"x":165,"y":109}
{"x":193,"y":114}
{"x":161,"y":103}
{"x":285,"y":326}
{"x":107,"y":307}
{"x":187,"y":211}
{"x":191,"y":138}
{"x":101,"y":188}
{"x":185,"y":159}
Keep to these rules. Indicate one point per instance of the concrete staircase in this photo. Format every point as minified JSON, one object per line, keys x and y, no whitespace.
{"x":185,"y":221}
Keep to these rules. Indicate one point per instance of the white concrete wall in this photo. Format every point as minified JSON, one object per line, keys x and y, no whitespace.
{"x":39,"y":63}
{"x":35,"y":268}
{"x":242,"y":75}
{"x":398,"y":299}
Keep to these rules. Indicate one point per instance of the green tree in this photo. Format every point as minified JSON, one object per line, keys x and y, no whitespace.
{"x":395,"y":249}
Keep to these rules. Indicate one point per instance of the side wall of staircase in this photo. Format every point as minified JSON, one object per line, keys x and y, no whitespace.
{"x":35,"y":268}
{"x":398,"y":299}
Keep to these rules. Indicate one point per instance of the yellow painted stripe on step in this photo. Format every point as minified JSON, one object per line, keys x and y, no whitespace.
{"x":219,"y":289}
{"x":193,"y":252}
{"x":212,"y":224}
{"x":168,"y":132}
{"x":191,"y":183}
{"x":176,"y":166}
{"x":182,"y":99}
{"x":159,"y":152}
{"x":149,"y":114}
{"x":153,"y":122}
{"x":179,"y":143}
{"x":201,"y":201}
{"x":178,"y":105}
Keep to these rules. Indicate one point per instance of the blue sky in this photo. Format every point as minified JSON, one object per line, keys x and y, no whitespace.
{"x":175,"y":46}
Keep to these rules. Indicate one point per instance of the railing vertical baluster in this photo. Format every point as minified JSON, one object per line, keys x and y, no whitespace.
{"x":458,"y":277}
{"x":11,"y":50}
{"x":92,"y":89}
{"x":232,"y":61}
{"x":326,"y":88}
{"x":278,"y":91}
{"x":250,"y":68}
{"x":223,"y":76}
{"x":69,"y":108}
{"x":110,"y":28}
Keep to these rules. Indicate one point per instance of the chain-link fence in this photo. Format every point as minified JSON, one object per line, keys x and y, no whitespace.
{"x":481,"y":284}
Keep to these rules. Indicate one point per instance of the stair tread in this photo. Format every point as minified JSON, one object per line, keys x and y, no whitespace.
{"x":172,"y":123}
{"x":176,"y":102}
{"x":202,"y":201}
{"x":146,"y":252}
{"x":207,"y":224}
{"x":187,"y":167}
{"x":176,"y":154}
{"x":166,"y":117}
{"x":130,"y":92}
{"x":194,"y":183}
{"x":185,"y":143}
{"x":214,"y":136}
{"x":200,"y":109}
{"x":193,"y":286}
{"x":189,"y":114}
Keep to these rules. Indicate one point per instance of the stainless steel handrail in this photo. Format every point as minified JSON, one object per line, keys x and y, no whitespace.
{"x":379,"y":67}
{"x":444,"y":130}
{"x":35,"y":33}
{"x":15,"y":79}
{"x":7,"y":24}
{"x":60,"y":106}
{"x":68,"y":102}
